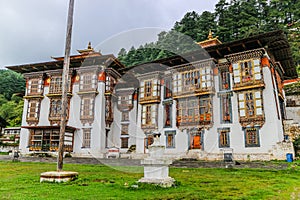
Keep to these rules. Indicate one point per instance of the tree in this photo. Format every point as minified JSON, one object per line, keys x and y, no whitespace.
{"x":205,"y":23}
{"x":11,"y":83}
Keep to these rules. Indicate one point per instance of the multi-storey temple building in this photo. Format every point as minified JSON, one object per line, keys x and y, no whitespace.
{"x":222,"y":97}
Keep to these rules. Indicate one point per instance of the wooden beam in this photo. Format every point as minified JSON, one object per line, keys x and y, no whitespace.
{"x":65,"y":85}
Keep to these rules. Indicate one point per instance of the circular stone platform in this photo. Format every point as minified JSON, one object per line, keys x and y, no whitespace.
{"x":55,"y":176}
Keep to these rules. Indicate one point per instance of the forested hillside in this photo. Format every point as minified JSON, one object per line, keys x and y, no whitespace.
{"x":230,"y":21}
{"x":12,"y":89}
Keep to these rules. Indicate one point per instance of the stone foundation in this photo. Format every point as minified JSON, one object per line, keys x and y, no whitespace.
{"x":58,"y":177}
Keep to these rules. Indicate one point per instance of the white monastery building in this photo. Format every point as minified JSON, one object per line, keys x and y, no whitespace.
{"x":221,"y":97}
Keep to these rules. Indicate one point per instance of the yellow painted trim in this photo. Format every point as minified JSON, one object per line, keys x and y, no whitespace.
{"x":249,"y":87}
{"x":150,"y":101}
{"x":88,"y":92}
{"x":57,"y":95}
{"x":193,"y":94}
{"x":34,"y":96}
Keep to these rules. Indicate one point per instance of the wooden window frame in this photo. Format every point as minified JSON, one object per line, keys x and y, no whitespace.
{"x":148,"y":114}
{"x":55,"y":85}
{"x":86,"y":138}
{"x":224,"y":137}
{"x":33,"y":110}
{"x":226,"y":108}
{"x":148,"y":88}
{"x":168,"y":89}
{"x":55,"y":108}
{"x":252,"y":137}
{"x":168,"y":115}
{"x":194,"y":110}
{"x":35,"y":86}
{"x":225,"y":80}
{"x":247,"y":104}
{"x":124,"y":142}
{"x":149,"y":139}
{"x":88,"y":82}
{"x":109,"y":84}
{"x":47,"y":140}
{"x":87,"y":108}
{"x":170,"y":139}
{"x":247,"y":71}
{"x":192,"y":135}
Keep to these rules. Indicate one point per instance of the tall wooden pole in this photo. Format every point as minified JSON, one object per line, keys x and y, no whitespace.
{"x":65,"y":87}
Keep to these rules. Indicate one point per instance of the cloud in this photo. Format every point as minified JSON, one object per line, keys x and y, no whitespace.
{"x":33,"y":30}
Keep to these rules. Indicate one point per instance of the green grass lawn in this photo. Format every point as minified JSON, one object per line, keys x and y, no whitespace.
{"x":21,"y":181}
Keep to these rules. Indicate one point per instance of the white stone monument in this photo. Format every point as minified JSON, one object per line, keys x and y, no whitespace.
{"x":156,"y":167}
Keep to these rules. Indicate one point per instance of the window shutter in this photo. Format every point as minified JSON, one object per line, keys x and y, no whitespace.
{"x":179,"y":83}
{"x":94,"y":81}
{"x":39,"y":86}
{"x":29,"y":87}
{"x":154,"y":92}
{"x":153,"y":114}
{"x":142,"y":92}
{"x":258,"y":103}
{"x":236,"y":73}
{"x":175,"y":85}
{"x":257,"y":74}
{"x":91,"y":101}
{"x":36,"y":109}
{"x":242,"y":105}
{"x":81,"y":82}
{"x":144,"y":115}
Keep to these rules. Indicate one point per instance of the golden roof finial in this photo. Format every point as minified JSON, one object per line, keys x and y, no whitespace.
{"x":210,"y":36}
{"x":88,"y":50}
{"x":89,"y":46}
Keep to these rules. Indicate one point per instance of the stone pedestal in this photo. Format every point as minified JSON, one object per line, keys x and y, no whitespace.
{"x":156,"y":167}
{"x":54,"y":176}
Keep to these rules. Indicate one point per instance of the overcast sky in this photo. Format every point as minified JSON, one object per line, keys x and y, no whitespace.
{"x":34,"y":30}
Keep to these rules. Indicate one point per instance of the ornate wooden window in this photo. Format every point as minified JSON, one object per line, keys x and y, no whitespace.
{"x":87,"y":108}
{"x":170,"y":139}
{"x":149,"y":114}
{"x":55,"y":108}
{"x":252,"y":137}
{"x":125,"y":101}
{"x":35,"y":86}
{"x":88,"y":82}
{"x":168,"y":89}
{"x":33,"y":110}
{"x":55,"y":85}
{"x":148,"y":140}
{"x":224,"y":137}
{"x":48,"y":140}
{"x":194,"y":110}
{"x":124,"y":142}
{"x":224,"y":80}
{"x":250,"y":104}
{"x":125,"y":116}
{"x":168,"y":115}
{"x":148,"y":88}
{"x":86,"y":138}
{"x":108,"y":110}
{"x":196,"y":139}
{"x":246,"y":70}
{"x":196,"y":79}
{"x":109,"y":84}
{"x":226,"y":108}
